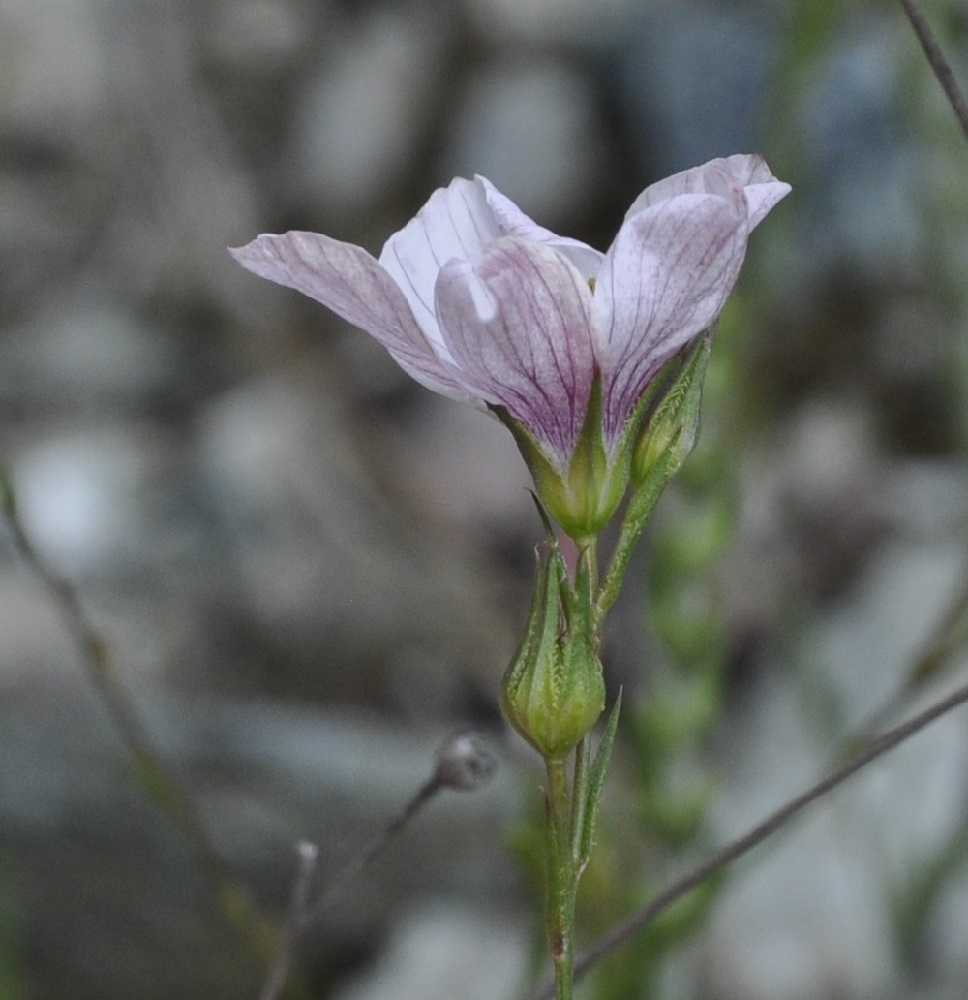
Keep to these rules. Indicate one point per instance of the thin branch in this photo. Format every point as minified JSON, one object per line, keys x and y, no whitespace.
{"x":152,"y":772}
{"x":302,"y":912}
{"x":463,"y":764}
{"x":938,"y":63}
{"x":166,"y":791}
{"x":355,"y":868}
{"x":306,"y":869}
{"x":731,"y":852}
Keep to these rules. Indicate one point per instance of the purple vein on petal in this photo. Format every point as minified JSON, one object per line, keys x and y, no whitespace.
{"x":533,"y":352}
{"x":455,"y":223}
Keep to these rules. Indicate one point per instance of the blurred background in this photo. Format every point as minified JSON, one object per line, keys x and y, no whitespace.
{"x":309,"y":570}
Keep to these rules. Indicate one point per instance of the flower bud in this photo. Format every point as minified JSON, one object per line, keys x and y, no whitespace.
{"x":553,"y":690}
{"x":670,"y":433}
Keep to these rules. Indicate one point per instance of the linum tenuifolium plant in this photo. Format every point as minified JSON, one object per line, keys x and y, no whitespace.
{"x":595,"y":363}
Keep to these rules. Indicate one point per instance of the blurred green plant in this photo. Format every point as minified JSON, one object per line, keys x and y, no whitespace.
{"x":667,"y":778}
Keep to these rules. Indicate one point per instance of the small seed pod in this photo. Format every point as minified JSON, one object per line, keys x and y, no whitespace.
{"x":464,"y":763}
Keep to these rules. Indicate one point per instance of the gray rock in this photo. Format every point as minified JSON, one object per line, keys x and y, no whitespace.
{"x":442,"y":951}
{"x":110,"y":896}
{"x":530,"y":127}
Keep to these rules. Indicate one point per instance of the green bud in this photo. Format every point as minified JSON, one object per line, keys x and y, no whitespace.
{"x":670,"y":433}
{"x":553,"y":690}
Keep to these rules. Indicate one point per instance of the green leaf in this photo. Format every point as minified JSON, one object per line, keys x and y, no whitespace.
{"x":596,"y":779}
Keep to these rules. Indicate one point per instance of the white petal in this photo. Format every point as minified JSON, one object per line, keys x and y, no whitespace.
{"x":748,"y":170}
{"x":515,"y":223}
{"x":713,"y":177}
{"x":348,"y":280}
{"x":665,"y":279}
{"x":455,"y":224}
{"x":520,"y":326}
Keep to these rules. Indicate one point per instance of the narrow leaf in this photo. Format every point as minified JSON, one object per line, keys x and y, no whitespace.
{"x":596,"y":779}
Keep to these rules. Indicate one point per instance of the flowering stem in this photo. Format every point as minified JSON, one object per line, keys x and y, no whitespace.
{"x":633,"y":524}
{"x":562,"y":882}
{"x":569,"y":809}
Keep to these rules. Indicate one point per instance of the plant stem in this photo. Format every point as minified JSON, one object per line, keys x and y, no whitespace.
{"x":562,"y":878}
{"x":636,"y":516}
{"x":938,"y":63}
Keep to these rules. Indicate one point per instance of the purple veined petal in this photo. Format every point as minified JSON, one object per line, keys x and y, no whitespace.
{"x":454,"y":224}
{"x":515,"y":223}
{"x":348,"y":280}
{"x":665,"y":279}
{"x":763,"y":191}
{"x":714,"y":177}
{"x":520,"y":325}
{"x":749,"y":170}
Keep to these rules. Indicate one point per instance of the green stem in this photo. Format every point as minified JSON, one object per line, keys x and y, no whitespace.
{"x":568,"y":808}
{"x":561,"y":880}
{"x":633,"y":524}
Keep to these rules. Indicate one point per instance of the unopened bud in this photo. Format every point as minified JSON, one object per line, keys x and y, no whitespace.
{"x":669,"y":435}
{"x":553,"y":690}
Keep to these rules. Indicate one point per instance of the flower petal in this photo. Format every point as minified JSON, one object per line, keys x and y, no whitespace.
{"x":520,"y":325}
{"x":455,"y":224}
{"x":664,"y":281}
{"x":348,"y":280}
{"x":515,"y":223}
{"x":762,"y":189}
{"x":749,"y":170}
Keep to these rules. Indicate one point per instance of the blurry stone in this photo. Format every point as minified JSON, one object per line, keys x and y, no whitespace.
{"x":863,"y":169}
{"x":84,"y":355}
{"x":365,"y":595}
{"x":55,"y":58}
{"x":356,"y":124}
{"x":810,"y":512}
{"x":814,"y":914}
{"x":112,"y":903}
{"x":944,"y":959}
{"x":926,"y":498}
{"x":531,"y":127}
{"x":258,"y":36}
{"x":817,"y":914}
{"x":692,"y":83}
{"x":78,"y":496}
{"x":32,"y":636}
{"x":829,"y":451}
{"x":808,"y":916}
{"x":585,"y":22}
{"x":442,"y":951}
{"x":867,"y":645}
{"x":463,"y":466}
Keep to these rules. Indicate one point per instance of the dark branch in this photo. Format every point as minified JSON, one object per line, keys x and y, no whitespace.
{"x":939,"y":64}
{"x":463,"y":764}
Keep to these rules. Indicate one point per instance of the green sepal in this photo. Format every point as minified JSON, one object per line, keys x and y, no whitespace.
{"x":584,"y":497}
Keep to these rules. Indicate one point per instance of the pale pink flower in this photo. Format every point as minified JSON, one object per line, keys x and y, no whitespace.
{"x":478,"y":302}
